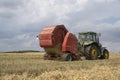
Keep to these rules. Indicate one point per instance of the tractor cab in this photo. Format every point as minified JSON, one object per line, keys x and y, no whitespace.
{"x":86,"y":38}
{"x":90,"y":47}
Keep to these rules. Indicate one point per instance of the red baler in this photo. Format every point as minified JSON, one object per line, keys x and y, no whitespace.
{"x":58,"y":43}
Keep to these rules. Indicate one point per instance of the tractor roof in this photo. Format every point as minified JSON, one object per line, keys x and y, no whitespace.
{"x":90,"y":32}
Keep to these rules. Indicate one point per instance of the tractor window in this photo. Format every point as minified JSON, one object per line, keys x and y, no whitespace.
{"x":82,"y":37}
{"x":88,"y":37}
{"x":93,"y":37}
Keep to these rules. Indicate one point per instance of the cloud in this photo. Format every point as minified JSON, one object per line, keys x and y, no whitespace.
{"x":22,"y":20}
{"x":11,"y":4}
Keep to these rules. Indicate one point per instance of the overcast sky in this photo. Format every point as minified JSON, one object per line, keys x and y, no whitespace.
{"x":22,"y":20}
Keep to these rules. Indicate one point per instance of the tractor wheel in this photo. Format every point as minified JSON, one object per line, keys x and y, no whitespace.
{"x":67,"y":57}
{"x":92,"y":53}
{"x":105,"y":54}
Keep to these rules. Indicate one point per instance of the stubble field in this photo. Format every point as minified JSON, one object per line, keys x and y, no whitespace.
{"x":31,"y":66}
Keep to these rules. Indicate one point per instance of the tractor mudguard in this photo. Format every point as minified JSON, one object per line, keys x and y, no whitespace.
{"x":102,"y":49}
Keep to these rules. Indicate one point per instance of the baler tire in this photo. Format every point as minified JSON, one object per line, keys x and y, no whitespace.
{"x":67,"y":57}
{"x":45,"y":56}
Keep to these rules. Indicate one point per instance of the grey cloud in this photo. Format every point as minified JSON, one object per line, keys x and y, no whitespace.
{"x":110,"y":20}
{"x":19,"y":42}
{"x":13,"y":4}
{"x":111,"y":36}
{"x":7,"y":15}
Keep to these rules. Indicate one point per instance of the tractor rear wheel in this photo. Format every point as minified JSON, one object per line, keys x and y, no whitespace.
{"x":92,"y":53}
{"x":105,"y":54}
{"x":67,"y":57}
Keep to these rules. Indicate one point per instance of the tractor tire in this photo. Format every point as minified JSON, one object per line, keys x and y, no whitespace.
{"x":67,"y":57}
{"x":92,"y":53}
{"x":105,"y":54}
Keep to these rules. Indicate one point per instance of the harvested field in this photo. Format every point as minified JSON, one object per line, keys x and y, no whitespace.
{"x":31,"y":66}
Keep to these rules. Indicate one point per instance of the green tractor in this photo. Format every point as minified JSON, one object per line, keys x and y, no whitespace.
{"x":90,"y":47}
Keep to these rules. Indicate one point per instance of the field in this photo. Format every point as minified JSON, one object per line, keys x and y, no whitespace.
{"x":31,"y":66}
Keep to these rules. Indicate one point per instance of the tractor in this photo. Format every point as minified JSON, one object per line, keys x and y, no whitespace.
{"x":60,"y":44}
{"x":90,"y":47}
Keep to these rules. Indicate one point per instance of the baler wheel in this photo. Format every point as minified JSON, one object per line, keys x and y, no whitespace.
{"x":67,"y":57}
{"x":46,"y":57}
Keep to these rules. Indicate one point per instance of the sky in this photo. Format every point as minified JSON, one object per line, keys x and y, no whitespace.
{"x":22,"y":20}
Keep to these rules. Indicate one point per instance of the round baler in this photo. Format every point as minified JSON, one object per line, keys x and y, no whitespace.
{"x":58,"y":43}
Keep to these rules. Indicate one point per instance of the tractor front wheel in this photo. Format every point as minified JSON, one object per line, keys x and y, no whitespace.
{"x":105,"y":54}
